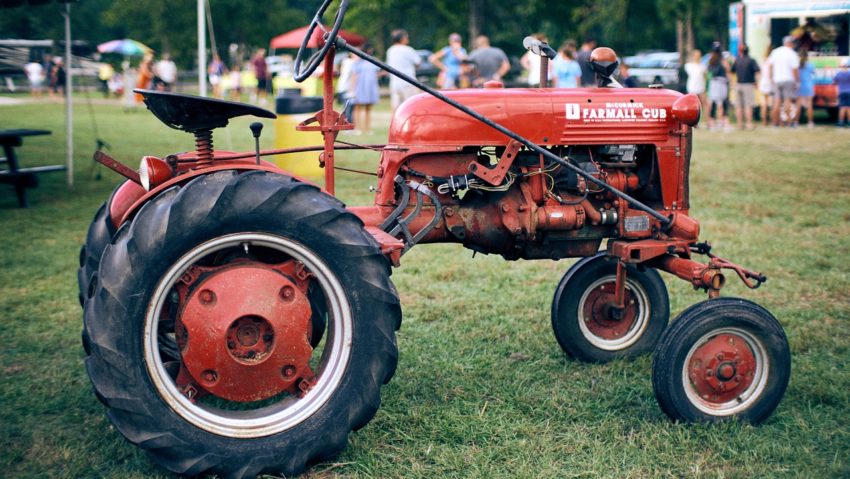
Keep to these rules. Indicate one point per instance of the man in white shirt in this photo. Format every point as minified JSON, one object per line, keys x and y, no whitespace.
{"x":403,"y":58}
{"x":166,"y":71}
{"x":784,"y":66}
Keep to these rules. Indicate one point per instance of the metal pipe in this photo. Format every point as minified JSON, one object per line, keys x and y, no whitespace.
{"x":341,"y":43}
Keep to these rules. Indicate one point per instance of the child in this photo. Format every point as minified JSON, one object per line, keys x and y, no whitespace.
{"x":842,"y":79}
{"x":236,"y":82}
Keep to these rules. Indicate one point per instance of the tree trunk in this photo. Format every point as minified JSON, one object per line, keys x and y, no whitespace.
{"x":476,"y":19}
{"x":680,"y":41}
{"x":689,"y":31}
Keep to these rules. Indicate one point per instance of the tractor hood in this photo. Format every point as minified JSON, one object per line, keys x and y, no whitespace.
{"x":544,"y":116}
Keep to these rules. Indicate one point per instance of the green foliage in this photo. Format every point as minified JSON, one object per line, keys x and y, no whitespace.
{"x":482,"y":389}
{"x":625,"y":25}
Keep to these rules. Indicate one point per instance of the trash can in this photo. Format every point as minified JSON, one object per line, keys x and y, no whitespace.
{"x":291,"y":110}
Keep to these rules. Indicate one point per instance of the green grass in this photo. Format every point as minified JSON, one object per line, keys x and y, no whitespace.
{"x":482,"y":389}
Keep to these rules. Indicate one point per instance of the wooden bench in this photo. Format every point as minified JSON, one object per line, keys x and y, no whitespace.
{"x":21,"y":178}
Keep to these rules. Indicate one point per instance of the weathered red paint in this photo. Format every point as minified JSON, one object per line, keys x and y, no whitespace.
{"x":244,"y":330}
{"x":599,"y":314}
{"x":721,"y":369}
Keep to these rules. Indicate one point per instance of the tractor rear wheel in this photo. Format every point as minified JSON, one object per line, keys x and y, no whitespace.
{"x":722,"y":358}
{"x":589,"y":329}
{"x":99,"y":235}
{"x":202,"y":342}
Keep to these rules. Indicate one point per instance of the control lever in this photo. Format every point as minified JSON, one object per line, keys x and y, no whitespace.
{"x":256,"y":129}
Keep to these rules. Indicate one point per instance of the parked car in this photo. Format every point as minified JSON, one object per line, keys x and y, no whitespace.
{"x":655,"y":68}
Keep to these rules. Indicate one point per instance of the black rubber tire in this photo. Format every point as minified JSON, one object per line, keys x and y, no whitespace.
{"x":99,"y":235}
{"x":566,"y":306}
{"x":174,"y":223}
{"x":700,"y":320}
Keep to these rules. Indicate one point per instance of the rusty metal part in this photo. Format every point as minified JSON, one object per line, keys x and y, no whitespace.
{"x":750,"y":278}
{"x":700,"y":275}
{"x":203,"y":148}
{"x":603,"y":317}
{"x":244,"y":330}
{"x":560,"y":217}
{"x":635,"y":252}
{"x":117,"y":167}
{"x":722,"y":368}
{"x":496,"y":175}
{"x":683,"y":227}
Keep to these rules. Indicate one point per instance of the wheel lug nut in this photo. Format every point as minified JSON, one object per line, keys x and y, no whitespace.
{"x":207,"y":297}
{"x":209,"y":376}
{"x":287,"y":293}
{"x":288,"y":371}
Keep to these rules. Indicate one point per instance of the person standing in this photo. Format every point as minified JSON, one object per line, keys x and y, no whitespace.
{"x":364,"y":79}
{"x":567,"y":70}
{"x":166,"y":72}
{"x":718,"y":87}
{"x":57,"y":77}
{"x":261,"y":71}
{"x":403,"y":58}
{"x":491,"y":63}
{"x":145,"y":75}
{"x":105,"y":73}
{"x":588,"y":78}
{"x":344,"y":91}
{"x":766,"y":88}
{"x":448,"y":60}
{"x":748,"y":73}
{"x":785,"y":75}
{"x":842,"y":79}
{"x":215,"y":72}
{"x":697,"y":76}
{"x":530,"y":62}
{"x":806,"y":90}
{"x":35,"y":76}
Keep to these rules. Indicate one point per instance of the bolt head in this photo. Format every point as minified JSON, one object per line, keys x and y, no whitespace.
{"x":287,"y":293}
{"x":207,"y":297}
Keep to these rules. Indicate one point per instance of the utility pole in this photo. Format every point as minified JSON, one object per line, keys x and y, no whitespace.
{"x":69,"y":110}
{"x":202,"y":49}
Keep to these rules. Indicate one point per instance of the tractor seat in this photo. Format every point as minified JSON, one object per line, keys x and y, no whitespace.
{"x":194,"y":113}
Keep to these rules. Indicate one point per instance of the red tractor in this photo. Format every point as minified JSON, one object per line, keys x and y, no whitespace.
{"x":239,"y":319}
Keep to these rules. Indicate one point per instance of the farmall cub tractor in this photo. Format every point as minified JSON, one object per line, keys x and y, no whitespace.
{"x":241,"y":320}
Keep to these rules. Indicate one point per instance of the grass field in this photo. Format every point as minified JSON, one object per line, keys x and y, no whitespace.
{"x":482,"y":388}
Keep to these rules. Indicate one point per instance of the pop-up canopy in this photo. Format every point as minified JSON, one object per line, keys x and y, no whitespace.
{"x":293,"y":39}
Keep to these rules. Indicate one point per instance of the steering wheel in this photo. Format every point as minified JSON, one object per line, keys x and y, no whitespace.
{"x":330,"y":39}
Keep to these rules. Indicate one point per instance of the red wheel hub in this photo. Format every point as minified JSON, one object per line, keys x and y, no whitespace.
{"x":245,"y":332}
{"x":598,"y":309}
{"x":722,"y":369}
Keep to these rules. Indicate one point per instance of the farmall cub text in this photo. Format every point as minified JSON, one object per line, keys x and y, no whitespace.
{"x":239,"y":320}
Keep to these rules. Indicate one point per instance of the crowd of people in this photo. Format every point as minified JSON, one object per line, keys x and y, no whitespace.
{"x":50,"y":72}
{"x":785,"y":82}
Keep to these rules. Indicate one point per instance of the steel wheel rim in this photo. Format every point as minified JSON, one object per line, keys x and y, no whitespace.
{"x":641,"y":321}
{"x":750,"y":395}
{"x":287,"y":413}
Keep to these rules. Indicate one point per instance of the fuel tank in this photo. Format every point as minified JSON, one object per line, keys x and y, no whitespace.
{"x":544,"y":116}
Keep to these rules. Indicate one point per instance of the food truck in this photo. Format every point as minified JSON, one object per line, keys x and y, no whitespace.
{"x":819,"y":26}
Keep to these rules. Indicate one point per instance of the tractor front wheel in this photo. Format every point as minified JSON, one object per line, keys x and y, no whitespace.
{"x":203,"y":342}
{"x":722,"y":358}
{"x":588,"y":328}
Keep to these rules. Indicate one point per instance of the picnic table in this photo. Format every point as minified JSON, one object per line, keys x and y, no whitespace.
{"x":21,"y":178}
